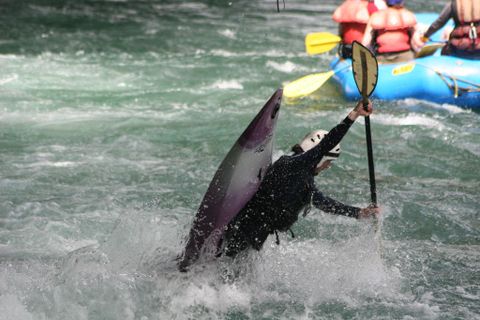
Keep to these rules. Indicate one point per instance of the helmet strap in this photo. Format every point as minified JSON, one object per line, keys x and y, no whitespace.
{"x":297,"y":149}
{"x":331,"y":154}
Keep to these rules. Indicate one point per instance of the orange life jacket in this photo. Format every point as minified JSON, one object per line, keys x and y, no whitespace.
{"x":392,"y":29}
{"x":466,"y":35}
{"x":353,"y":17}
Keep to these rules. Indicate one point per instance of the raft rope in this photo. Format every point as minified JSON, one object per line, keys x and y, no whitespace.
{"x":445,"y":79}
{"x":453,"y":82}
{"x":457,"y":90}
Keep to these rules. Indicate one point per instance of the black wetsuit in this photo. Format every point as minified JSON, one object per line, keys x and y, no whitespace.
{"x":287,"y":188}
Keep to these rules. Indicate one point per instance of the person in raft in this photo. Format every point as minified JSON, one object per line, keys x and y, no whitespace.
{"x":289,"y":187}
{"x":352,"y":17}
{"x":391,"y":33}
{"x":464,"y":41}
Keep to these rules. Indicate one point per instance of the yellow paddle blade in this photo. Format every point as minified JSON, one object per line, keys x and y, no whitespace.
{"x":429,"y":49}
{"x":306,"y":85}
{"x":320,"y":42}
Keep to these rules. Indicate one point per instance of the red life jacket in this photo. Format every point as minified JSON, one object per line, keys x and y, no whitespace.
{"x":466,"y":35}
{"x":352,"y":32}
{"x":353,"y":17}
{"x":392,"y":29}
{"x":371,"y":7}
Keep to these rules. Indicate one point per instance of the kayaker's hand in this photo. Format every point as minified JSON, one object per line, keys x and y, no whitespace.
{"x":362,"y":111}
{"x":359,"y":110}
{"x":368,"y":212}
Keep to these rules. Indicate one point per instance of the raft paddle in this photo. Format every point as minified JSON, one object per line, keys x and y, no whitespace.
{"x":306,"y":85}
{"x":320,"y":42}
{"x":429,"y":49}
{"x":365,"y":72}
{"x":315,"y":43}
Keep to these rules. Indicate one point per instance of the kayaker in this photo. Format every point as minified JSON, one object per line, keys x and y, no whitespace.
{"x":288,"y":187}
{"x":464,"y":40}
{"x":391,"y":33}
{"x":353,"y":16}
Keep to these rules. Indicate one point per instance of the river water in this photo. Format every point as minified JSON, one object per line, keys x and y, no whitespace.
{"x":114,"y":116}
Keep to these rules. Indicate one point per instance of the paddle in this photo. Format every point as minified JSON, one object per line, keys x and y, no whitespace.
{"x":429,"y":49}
{"x":306,"y":85}
{"x":320,"y":42}
{"x":315,"y":43}
{"x":365,"y":72}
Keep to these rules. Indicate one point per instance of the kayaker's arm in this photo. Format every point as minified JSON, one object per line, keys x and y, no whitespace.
{"x":313,"y":156}
{"x":331,"y":206}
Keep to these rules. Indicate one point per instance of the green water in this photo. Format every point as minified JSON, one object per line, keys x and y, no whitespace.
{"x":114,"y":116}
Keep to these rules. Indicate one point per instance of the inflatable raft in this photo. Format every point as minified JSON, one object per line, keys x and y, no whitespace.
{"x":440,"y":79}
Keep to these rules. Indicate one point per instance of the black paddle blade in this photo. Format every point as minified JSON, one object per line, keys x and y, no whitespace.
{"x":365,"y":69}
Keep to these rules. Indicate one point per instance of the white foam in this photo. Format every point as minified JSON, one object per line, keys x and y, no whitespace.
{"x":64,"y":164}
{"x":358,"y":270}
{"x":216,"y":297}
{"x":12,"y":308}
{"x":223,"y":53}
{"x":47,"y":163}
{"x":270,"y":53}
{"x":447,"y":107}
{"x":9,"y":79}
{"x":409,"y":120}
{"x":76,"y":115}
{"x":226,"y":84}
{"x":9,"y":56}
{"x":450,"y":108}
{"x":228,"y":33}
{"x":286,"y":67}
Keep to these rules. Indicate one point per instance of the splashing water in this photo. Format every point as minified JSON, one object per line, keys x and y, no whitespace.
{"x":113,"y":118}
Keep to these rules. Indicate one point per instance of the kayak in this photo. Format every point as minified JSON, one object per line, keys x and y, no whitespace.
{"x":436,"y":78}
{"x":233,"y":185}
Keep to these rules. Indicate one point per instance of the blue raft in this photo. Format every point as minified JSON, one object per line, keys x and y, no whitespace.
{"x":440,"y":79}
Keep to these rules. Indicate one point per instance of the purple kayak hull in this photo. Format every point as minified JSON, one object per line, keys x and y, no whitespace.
{"x":234,"y":183}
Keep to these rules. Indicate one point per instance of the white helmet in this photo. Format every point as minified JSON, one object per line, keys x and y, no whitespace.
{"x":314,"y":138}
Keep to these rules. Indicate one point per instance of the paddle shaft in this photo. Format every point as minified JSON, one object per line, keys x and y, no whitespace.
{"x":368,"y":134}
{"x":371,"y":167}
